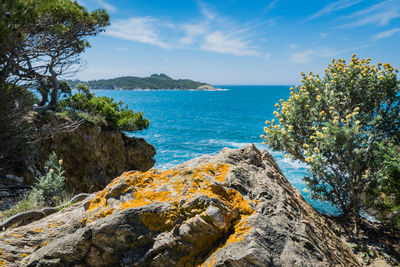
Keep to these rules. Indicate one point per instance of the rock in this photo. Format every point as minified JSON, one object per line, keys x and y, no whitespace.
{"x":92,"y":155}
{"x":232,"y":209}
{"x":206,"y":87}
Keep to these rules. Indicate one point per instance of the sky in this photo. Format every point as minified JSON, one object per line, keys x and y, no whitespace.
{"x":239,"y":41}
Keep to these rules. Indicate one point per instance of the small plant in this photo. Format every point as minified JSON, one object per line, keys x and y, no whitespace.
{"x":49,"y":187}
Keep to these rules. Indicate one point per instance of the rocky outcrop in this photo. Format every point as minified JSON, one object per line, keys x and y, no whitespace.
{"x":207,"y":87}
{"x":92,"y":155}
{"x":232,"y":209}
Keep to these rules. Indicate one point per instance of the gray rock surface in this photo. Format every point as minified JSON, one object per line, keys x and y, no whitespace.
{"x":232,"y":209}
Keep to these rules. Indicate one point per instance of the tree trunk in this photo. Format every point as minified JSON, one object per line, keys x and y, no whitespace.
{"x":54,"y":92}
{"x":44,"y":92}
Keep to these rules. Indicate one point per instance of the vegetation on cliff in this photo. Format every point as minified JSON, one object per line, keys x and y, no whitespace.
{"x":85,"y":105}
{"x":155,"y":81}
{"x":41,"y":41}
{"x":337,"y":124}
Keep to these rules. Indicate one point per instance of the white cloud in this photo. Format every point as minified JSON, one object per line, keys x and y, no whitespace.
{"x":380,"y":14}
{"x":333,"y":7}
{"x":206,"y":11}
{"x":302,"y":57}
{"x":323,"y":35}
{"x":267,"y":56}
{"x":140,"y":29}
{"x":386,"y":34}
{"x":193,"y":32}
{"x":293,"y":46}
{"x":225,"y":44}
{"x":107,"y":6}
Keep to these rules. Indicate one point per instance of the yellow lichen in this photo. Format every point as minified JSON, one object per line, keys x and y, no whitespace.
{"x":16,"y":235}
{"x":138,"y":189}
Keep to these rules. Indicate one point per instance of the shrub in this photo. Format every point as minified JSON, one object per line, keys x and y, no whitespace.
{"x":49,"y":187}
{"x":383,"y":194}
{"x":114,"y":113}
{"x":333,"y":124}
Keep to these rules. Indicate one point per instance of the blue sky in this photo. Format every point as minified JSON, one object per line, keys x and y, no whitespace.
{"x":239,"y":41}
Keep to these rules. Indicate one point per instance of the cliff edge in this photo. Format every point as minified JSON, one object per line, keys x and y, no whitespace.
{"x":232,"y":209}
{"x":92,"y":154}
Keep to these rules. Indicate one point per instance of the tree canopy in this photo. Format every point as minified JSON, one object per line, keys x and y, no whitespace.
{"x":334,"y":124}
{"x":42,"y":40}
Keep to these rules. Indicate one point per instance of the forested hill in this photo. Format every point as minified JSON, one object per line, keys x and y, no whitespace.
{"x":155,"y":81}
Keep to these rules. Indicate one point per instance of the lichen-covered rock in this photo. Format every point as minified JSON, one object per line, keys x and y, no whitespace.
{"x":232,"y":209}
{"x":92,"y":155}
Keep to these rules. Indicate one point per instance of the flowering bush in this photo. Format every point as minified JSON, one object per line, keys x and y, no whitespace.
{"x":333,"y":123}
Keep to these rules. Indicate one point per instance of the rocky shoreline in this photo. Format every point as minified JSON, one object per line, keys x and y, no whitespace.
{"x":232,"y":209}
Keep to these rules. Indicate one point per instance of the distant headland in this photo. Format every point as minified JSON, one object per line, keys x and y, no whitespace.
{"x":154,"y":82}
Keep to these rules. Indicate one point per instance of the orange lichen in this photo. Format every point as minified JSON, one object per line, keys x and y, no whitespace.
{"x":241,"y":230}
{"x":16,"y":235}
{"x":38,"y":230}
{"x":45,"y":243}
{"x":137,"y":189}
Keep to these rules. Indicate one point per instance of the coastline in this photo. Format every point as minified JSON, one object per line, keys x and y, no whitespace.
{"x":148,"y":89}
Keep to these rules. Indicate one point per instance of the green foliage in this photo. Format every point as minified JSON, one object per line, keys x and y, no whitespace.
{"x":383,"y":194}
{"x":334,"y":123}
{"x":41,"y":40}
{"x":114,"y":113}
{"x":49,"y":187}
{"x":155,"y":81}
{"x":15,"y":132}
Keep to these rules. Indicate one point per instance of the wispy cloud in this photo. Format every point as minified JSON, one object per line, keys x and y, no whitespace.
{"x":386,"y":34}
{"x":225,"y":44}
{"x":333,"y":7}
{"x":107,"y":6}
{"x":271,"y":5}
{"x":140,"y":29}
{"x":302,"y":57}
{"x":212,"y":32}
{"x":206,"y":10}
{"x":379,"y":14}
{"x":193,"y":32}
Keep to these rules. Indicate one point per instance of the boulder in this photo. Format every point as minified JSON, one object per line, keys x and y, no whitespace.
{"x":232,"y":209}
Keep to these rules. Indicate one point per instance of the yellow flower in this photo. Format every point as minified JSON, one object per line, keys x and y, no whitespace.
{"x":267,"y":122}
{"x":319,"y":134}
{"x":277,"y":105}
{"x":313,"y":128}
{"x":305,"y":146}
{"x":307,"y":106}
{"x":51,"y":170}
{"x":60,"y":162}
{"x":308,"y":159}
{"x":316,"y":149}
{"x":318,"y":98}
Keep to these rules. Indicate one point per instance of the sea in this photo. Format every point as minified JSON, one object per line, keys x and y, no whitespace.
{"x":187,"y":124}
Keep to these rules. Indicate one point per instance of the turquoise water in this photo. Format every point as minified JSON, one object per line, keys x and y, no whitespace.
{"x":187,"y":124}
